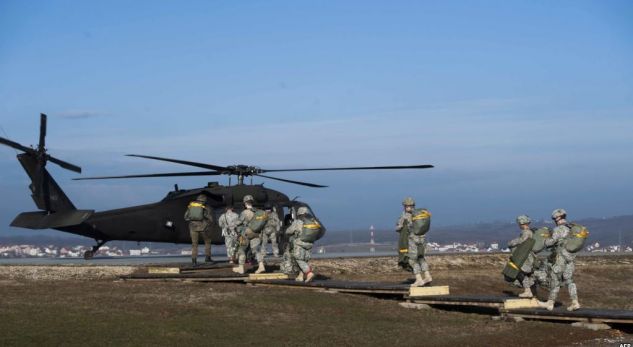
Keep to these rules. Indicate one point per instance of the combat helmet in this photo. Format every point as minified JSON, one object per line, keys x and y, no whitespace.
{"x":559,"y":213}
{"x":248,"y":198}
{"x":302,"y":210}
{"x":408,"y":201}
{"x":523,"y":219}
{"x":201,"y":198}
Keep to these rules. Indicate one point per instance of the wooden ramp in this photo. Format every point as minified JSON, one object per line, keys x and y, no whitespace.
{"x":189,"y":277}
{"x":590,"y":315}
{"x":342,"y":286}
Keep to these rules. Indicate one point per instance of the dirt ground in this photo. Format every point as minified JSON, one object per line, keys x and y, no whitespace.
{"x":86,"y":305}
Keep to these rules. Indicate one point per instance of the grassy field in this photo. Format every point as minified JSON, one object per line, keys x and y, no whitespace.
{"x":102,"y":311}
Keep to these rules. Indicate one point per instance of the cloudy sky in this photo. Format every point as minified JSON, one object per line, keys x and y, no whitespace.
{"x":523,"y":107}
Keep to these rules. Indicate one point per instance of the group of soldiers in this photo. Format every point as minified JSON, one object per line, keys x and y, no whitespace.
{"x":551,"y":272}
{"x":245,"y":240}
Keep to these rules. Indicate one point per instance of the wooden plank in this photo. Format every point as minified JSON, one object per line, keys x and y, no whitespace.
{"x":428,"y":291}
{"x":267,"y":276}
{"x":520,"y":303}
{"x":163,"y":270}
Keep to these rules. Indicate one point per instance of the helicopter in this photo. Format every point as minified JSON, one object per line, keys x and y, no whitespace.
{"x":161,"y":221}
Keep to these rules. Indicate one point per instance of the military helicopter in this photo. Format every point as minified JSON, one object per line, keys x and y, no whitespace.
{"x":161,"y":221}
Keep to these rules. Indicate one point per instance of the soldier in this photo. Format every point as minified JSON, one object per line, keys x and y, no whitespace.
{"x":229,"y":221}
{"x":200,"y":217}
{"x":255,"y":243}
{"x":402,"y":227}
{"x":562,"y":269}
{"x":528,"y":267}
{"x":273,"y":225}
{"x":301,"y":250}
{"x":416,"y":223}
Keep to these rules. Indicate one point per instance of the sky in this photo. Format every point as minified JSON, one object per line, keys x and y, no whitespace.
{"x":522,"y":106}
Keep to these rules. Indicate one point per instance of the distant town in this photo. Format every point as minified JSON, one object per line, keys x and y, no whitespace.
{"x":77,"y":251}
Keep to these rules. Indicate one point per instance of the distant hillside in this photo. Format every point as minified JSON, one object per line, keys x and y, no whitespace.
{"x":605,"y":231}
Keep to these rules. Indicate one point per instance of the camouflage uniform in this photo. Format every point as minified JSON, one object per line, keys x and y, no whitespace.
{"x":301,"y":251}
{"x":402,"y":227}
{"x":562,"y":268}
{"x":229,"y":221}
{"x":245,"y":218}
{"x":200,"y":228}
{"x":528,"y":266}
{"x":273,"y":225}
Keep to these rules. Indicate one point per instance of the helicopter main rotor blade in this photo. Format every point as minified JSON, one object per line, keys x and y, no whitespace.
{"x":15,"y":145}
{"x":294,"y":182}
{"x":184,"y":162}
{"x":397,"y":167}
{"x":65,"y":165}
{"x":42,"y":143}
{"x":172,"y":174}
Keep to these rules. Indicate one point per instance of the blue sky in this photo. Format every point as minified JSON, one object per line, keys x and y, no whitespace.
{"x":523,"y":106}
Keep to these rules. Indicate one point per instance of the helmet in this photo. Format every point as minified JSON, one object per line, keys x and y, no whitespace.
{"x":248,"y":198}
{"x":559,"y":213}
{"x":302,"y":210}
{"x":523,"y":219}
{"x":408,"y":201}
{"x":201,"y":198}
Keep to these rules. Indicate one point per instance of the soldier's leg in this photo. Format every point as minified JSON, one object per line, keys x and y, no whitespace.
{"x":556,"y":277}
{"x":206,"y":235}
{"x":568,"y":278}
{"x":262,"y":248}
{"x":413,"y":258}
{"x":228,"y":244}
{"x":275,"y":246}
{"x":194,"y":242}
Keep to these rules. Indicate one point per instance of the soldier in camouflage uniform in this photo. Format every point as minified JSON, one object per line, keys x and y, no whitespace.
{"x":245,"y":217}
{"x":528,"y":267}
{"x":273,"y":225}
{"x":199,"y":228}
{"x":562,"y":267}
{"x":229,"y":221}
{"x":416,"y":245}
{"x":301,"y":251}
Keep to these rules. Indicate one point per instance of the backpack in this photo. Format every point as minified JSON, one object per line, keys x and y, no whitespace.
{"x":539,"y":236}
{"x":195,"y":211}
{"x":421,"y":222}
{"x":519,"y":255}
{"x":258,"y":222}
{"x":312,"y":230}
{"x":575,"y":240}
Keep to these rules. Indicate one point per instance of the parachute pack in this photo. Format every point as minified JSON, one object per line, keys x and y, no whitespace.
{"x":195,"y":211}
{"x":577,"y":237}
{"x":421,"y":222}
{"x":312,"y":229}
{"x":518,"y":257}
{"x":256,"y":224}
{"x":540,"y":235}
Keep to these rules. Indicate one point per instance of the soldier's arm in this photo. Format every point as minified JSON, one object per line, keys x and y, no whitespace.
{"x":187,"y":215}
{"x":519,"y":240}
{"x":400,"y":223}
{"x":556,"y":236}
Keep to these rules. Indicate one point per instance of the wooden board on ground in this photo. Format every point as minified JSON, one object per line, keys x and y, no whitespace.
{"x":520,"y":303}
{"x":267,"y":276}
{"x":428,"y":291}
{"x":163,"y":270}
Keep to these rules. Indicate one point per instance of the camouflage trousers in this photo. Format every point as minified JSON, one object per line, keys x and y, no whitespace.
{"x":254,"y":246}
{"x":195,"y":234}
{"x":417,"y":245}
{"x":272,"y":237}
{"x":301,"y":254}
{"x":230,"y":241}
{"x":562,"y":273}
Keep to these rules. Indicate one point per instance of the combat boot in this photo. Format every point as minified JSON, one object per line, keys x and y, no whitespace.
{"x":427,"y":278}
{"x":208,"y":259}
{"x":527,"y":293}
{"x":194,"y":262}
{"x":574,"y":306}
{"x":419,"y":281}
{"x":299,"y":277}
{"x":261,"y":268}
{"x":239,"y":269}
{"x":549,"y":304}
{"x":309,"y":277}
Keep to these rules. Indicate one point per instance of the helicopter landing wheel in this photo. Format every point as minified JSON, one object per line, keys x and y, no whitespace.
{"x":88,"y":255}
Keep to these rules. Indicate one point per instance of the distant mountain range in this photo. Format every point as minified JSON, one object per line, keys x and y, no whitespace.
{"x":606,"y":231}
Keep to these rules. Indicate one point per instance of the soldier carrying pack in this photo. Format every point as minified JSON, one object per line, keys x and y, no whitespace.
{"x":421,"y":222}
{"x":311,"y":230}
{"x":520,"y":254}
{"x":195,"y":211}
{"x":256,"y":224}
{"x":540,"y":235}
